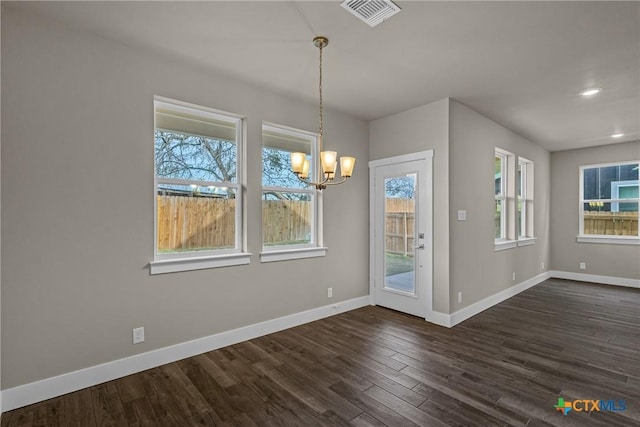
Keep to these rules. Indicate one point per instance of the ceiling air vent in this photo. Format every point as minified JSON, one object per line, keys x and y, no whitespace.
{"x":372,"y":12}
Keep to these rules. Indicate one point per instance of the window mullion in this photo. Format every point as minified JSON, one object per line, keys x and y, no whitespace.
{"x":200,"y":183}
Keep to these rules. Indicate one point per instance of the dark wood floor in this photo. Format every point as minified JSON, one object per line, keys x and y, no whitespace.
{"x":376,"y":367}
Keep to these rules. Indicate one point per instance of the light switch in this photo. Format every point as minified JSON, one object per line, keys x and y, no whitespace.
{"x":462,"y":215}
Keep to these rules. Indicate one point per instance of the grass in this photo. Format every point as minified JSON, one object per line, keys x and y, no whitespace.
{"x":397,"y":263}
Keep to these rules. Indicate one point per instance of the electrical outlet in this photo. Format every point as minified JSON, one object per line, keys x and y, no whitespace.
{"x":583,"y":266}
{"x":513,"y":276}
{"x":542,"y":266}
{"x":138,"y":335}
{"x":459,"y":297}
{"x":329,"y":292}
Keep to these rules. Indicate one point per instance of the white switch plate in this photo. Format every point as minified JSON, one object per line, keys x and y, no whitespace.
{"x":459,"y":297}
{"x":462,"y":215}
{"x":138,"y":335}
{"x":329,"y":292}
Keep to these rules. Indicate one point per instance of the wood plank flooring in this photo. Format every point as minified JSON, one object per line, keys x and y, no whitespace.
{"x":377,"y":367}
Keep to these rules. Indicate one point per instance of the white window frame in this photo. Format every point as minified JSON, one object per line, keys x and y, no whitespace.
{"x":196,"y":260}
{"x":525,"y":197}
{"x":602,"y":238}
{"x":502,"y":196}
{"x":507,"y":238}
{"x":315,"y":247}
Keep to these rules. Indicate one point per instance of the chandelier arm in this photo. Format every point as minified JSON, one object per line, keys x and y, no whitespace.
{"x":319,"y":184}
{"x":338,"y":182}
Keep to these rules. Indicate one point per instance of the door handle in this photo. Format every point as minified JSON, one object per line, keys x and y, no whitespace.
{"x":421,"y":247}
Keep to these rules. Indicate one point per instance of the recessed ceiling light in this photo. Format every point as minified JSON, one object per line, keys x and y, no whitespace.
{"x":591,"y":91}
{"x":617,"y":135}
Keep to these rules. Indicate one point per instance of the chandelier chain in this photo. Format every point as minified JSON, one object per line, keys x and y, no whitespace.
{"x":320,"y":88}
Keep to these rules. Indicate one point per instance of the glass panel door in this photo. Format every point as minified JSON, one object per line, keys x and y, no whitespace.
{"x":401,"y":252}
{"x":400,"y":236}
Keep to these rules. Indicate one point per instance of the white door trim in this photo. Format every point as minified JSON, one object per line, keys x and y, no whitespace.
{"x":428,"y":185}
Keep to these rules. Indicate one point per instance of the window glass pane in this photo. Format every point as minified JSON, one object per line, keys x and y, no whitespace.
{"x":622,"y":221}
{"x":519,"y":179}
{"x":597,"y":207}
{"x":606,"y":176}
{"x":590,"y":183}
{"x":498,"y":175}
{"x":276,"y":169}
{"x":600,"y":183}
{"x":286,"y":218}
{"x":400,"y":238}
{"x":195,"y":218}
{"x":628,"y":207}
{"x":498,"y":219}
{"x":520,"y":189}
{"x":629,"y":172}
{"x":185,"y":156}
{"x":521,"y":224}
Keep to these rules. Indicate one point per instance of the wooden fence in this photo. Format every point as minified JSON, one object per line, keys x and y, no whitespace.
{"x":286,"y":221}
{"x":399,"y":226}
{"x":187,"y":223}
{"x":611,"y":223}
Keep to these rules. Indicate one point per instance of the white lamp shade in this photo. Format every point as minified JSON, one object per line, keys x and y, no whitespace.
{"x":305,"y":169}
{"x":332,"y":175}
{"x":328,"y":159}
{"x":346,"y":166}
{"x":297,"y":162}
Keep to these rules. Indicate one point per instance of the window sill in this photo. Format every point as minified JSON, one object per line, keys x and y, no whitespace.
{"x":198,"y":263}
{"x":502,"y":245}
{"x":615,"y":240}
{"x":287,"y":254}
{"x":526,"y":241}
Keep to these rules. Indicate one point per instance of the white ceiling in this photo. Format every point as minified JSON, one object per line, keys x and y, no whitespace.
{"x":522,"y":64}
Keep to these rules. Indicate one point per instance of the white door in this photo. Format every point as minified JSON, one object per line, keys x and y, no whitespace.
{"x":401,"y":233}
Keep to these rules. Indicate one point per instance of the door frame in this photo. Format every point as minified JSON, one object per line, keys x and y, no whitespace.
{"x":427,"y":182}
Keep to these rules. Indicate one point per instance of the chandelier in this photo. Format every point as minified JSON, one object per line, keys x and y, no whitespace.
{"x":328,"y":159}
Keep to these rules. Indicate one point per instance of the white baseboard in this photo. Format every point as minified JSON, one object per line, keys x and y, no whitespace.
{"x":441,"y":319}
{"x":494,"y":299}
{"x":605,"y":280}
{"x":450,"y":320}
{"x":38,"y":391}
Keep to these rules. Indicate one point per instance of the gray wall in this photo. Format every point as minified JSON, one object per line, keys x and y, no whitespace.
{"x":566,"y":253}
{"x":419,"y":129}
{"x":77,"y":206}
{"x":477,"y":270}
{"x":0,"y":223}
{"x":464,"y":144}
